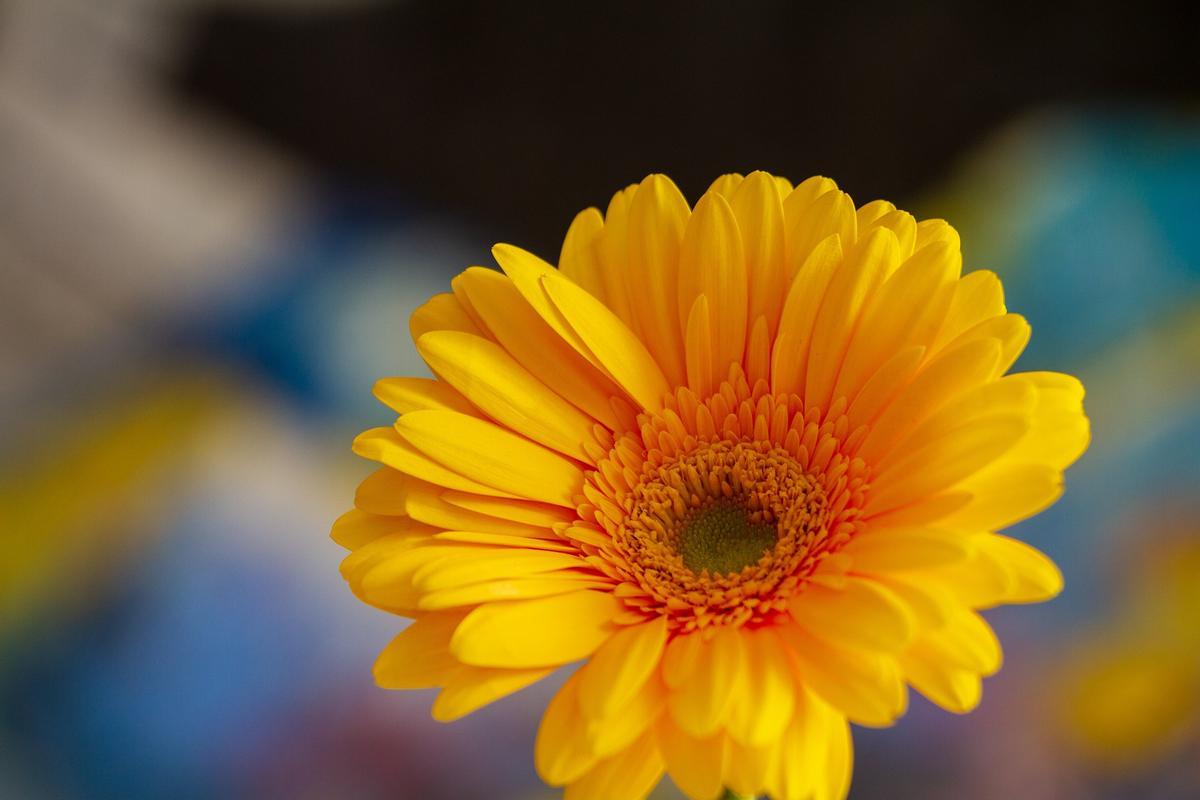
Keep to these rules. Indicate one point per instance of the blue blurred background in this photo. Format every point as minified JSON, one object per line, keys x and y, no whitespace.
{"x":216,"y":217}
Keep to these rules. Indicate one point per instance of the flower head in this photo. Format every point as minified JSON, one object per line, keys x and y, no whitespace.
{"x":745,"y":461}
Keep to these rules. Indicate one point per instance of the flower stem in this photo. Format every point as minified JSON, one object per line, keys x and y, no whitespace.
{"x":730,"y":794}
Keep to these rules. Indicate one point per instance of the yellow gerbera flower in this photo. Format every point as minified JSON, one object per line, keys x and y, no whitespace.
{"x":743,"y":460}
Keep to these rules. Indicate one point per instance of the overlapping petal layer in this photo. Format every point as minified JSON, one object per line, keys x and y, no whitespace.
{"x":822,"y":370}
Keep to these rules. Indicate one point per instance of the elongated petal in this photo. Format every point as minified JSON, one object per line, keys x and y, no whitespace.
{"x":420,"y":656}
{"x":867,"y":687}
{"x":697,"y":766}
{"x":700,"y":704}
{"x":493,"y":380}
{"x":387,"y":446}
{"x":905,"y":549}
{"x":562,"y":752}
{"x":578,"y":259}
{"x":468,"y":689}
{"x":712,"y":263}
{"x":507,"y":589}
{"x":763,"y":701}
{"x":848,"y":291}
{"x":492,"y":455}
{"x":536,"y":633}
{"x":610,"y":341}
{"x":524,"y":333}
{"x":657,"y":218}
{"x":621,"y":667}
{"x":861,"y":614}
{"x":382,"y":492}
{"x":759,"y":212}
{"x":411,"y":394}
{"x":442,"y":312}
{"x":631,"y":773}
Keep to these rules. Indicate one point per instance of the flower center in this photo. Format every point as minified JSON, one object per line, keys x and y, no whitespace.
{"x":717,"y":510}
{"x":723,"y":538}
{"x":725,"y":522}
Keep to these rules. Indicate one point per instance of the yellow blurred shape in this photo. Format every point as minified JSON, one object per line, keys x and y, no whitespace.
{"x":1130,"y":696}
{"x":73,"y":508}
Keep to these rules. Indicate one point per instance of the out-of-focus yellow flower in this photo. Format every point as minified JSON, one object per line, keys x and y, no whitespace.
{"x":744,"y":460}
{"x":1130,"y":695}
{"x":74,"y":511}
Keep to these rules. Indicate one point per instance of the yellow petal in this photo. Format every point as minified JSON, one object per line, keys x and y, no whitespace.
{"x":1036,"y":577}
{"x":965,"y":641}
{"x":816,"y":755}
{"x":493,"y":456}
{"x":549,"y":542}
{"x":884,"y":386}
{"x":758,"y":353}
{"x":930,"y":231}
{"x":424,"y":502}
{"x":612,"y":249}
{"x":470,"y":688}
{"x":562,"y":752}
{"x":904,"y":549}
{"x":943,"y":462}
{"x":621,"y":667}
{"x":680,"y":659}
{"x":697,"y":766}
{"x":789,"y":356}
{"x":849,"y":290}
{"x":539,"y":515}
{"x":860,"y":614}
{"x":507,"y":589}
{"x":759,"y":212}
{"x":442,"y":312}
{"x":1004,"y":494}
{"x":977,"y":296}
{"x":800,"y":198}
{"x":538,"y":347}
{"x":410,"y":394}
{"x":712,"y":263}
{"x":356,"y":528}
{"x":382,"y":492}
{"x":945,"y":378}
{"x":544,"y":632}
{"x":631,"y":773}
{"x":726,"y":185}
{"x":610,"y":341}
{"x":467,"y":565}
{"x":387,"y":446}
{"x":1008,"y":396}
{"x":908,"y":310}
{"x":617,"y":731}
{"x":902,"y":224}
{"x":526,"y":272}
{"x":865,"y":686}
{"x":492,"y":379}
{"x":1060,"y":431}
{"x":763,"y":701}
{"x":954,"y":689}
{"x":387,"y":581}
{"x":749,"y":769}
{"x":420,"y":656}
{"x":1010,"y":330}
{"x":657,"y":219}
{"x":701,"y":350}
{"x":577,"y":260}
{"x":831,"y":213}
{"x":700,"y":704}
{"x":838,"y":761}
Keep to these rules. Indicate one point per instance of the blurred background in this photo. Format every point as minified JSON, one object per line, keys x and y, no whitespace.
{"x":216,"y":217}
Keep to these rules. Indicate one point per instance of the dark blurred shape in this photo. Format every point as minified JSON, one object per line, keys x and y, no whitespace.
{"x":520,"y":118}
